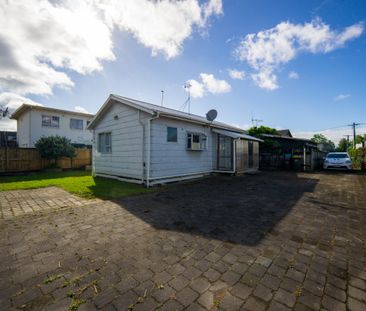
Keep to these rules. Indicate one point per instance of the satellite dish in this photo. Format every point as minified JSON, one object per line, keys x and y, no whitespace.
{"x":211,"y":115}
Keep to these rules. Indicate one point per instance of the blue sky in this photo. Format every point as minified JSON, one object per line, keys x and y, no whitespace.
{"x":304,"y":104}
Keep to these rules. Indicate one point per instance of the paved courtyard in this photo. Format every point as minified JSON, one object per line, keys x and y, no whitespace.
{"x":272,"y":241}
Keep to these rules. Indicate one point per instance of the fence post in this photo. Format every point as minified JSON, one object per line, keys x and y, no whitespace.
{"x":6,"y":159}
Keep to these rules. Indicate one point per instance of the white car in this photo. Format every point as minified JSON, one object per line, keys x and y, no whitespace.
{"x":334,"y":160}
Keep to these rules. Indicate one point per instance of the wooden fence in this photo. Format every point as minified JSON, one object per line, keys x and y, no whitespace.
{"x":29,"y":159}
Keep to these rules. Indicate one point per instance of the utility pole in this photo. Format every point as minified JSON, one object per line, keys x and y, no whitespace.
{"x":347,"y":140}
{"x":354,"y":135}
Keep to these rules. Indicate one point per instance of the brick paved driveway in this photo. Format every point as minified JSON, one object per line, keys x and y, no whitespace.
{"x":274,"y":241}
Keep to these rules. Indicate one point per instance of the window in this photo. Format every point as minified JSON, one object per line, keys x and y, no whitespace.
{"x":105,"y":142}
{"x":50,"y":121}
{"x":172,"y":134}
{"x":196,"y":141}
{"x":76,"y":124}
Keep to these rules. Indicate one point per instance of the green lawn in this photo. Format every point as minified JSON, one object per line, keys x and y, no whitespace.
{"x":80,"y":183}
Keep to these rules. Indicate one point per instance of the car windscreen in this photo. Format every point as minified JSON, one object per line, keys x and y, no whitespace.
{"x":337,"y":156}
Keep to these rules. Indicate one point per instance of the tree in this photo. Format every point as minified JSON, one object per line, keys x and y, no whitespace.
{"x":320,"y":139}
{"x":343,"y":145}
{"x":268,"y":144}
{"x":55,"y":147}
{"x":4,"y":111}
{"x":258,"y":131}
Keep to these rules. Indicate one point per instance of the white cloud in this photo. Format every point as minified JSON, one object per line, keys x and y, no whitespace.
{"x":236,"y":74}
{"x":208,"y":84}
{"x":12,"y":101}
{"x":267,"y":50}
{"x":214,"y":85}
{"x":333,"y":134}
{"x":81,"y":109}
{"x":196,"y":88}
{"x":42,"y":41}
{"x":341,"y":97}
{"x":293,"y":75}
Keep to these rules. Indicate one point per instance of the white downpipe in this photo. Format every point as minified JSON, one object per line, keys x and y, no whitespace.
{"x":149,"y":149}
{"x":143,"y":146}
{"x":234,"y":156}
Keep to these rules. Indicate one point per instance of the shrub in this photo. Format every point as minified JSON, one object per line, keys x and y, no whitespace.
{"x":55,"y":147}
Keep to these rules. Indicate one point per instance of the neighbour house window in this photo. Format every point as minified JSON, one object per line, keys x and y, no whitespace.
{"x":76,"y":124}
{"x":196,"y":141}
{"x":50,"y":121}
{"x":172,"y":134}
{"x":105,"y":142}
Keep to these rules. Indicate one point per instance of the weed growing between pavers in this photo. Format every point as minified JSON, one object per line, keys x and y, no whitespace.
{"x":52,"y":278}
{"x":76,"y":303}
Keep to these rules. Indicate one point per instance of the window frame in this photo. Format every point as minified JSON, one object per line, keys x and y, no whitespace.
{"x":52,"y":118}
{"x":167,"y":134}
{"x":76,"y":128}
{"x":190,"y":143}
{"x":99,"y":145}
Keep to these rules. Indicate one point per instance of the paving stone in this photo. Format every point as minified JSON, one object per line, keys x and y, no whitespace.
{"x":270,"y":281}
{"x":263,"y":293}
{"x":276,"y":306}
{"x":253,"y":304}
{"x":230,"y":303}
{"x":333,"y":304}
{"x":310,"y":300}
{"x":285,"y":298}
{"x":179,"y":282}
{"x":230,"y":277}
{"x":212,"y":275}
{"x":186,"y":296}
{"x":206,"y":300}
{"x":335,"y":292}
{"x":355,"y":305}
{"x":356,"y":293}
{"x":241,"y":291}
{"x":163,"y":294}
{"x":200,"y":285}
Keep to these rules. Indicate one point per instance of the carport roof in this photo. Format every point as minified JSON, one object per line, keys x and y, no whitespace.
{"x":236,"y":135}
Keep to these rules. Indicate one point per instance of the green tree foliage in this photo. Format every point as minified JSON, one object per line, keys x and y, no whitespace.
{"x":55,"y":147}
{"x":257,"y":131}
{"x":268,"y":144}
{"x":343,"y":145}
{"x":328,"y":145}
{"x":361,"y":139}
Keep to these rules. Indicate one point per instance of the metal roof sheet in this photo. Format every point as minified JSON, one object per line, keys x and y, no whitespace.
{"x":236,"y":135}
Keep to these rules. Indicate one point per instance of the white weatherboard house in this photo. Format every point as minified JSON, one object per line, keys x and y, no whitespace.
{"x":33,"y":122}
{"x":149,"y":144}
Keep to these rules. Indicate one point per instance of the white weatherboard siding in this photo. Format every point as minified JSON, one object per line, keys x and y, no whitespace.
{"x":126,"y":158}
{"x":30,"y":128}
{"x":23,"y":131}
{"x":77,"y":136}
{"x":173,"y":158}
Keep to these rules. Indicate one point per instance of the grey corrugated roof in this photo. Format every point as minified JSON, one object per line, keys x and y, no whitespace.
{"x":236,"y":135}
{"x":163,"y":111}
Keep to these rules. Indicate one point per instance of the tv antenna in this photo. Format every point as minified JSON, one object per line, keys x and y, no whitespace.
{"x":256,"y":121}
{"x":162,"y":98}
{"x":188,"y":86}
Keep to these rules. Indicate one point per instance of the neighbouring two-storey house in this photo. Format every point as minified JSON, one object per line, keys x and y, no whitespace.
{"x":34,"y":122}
